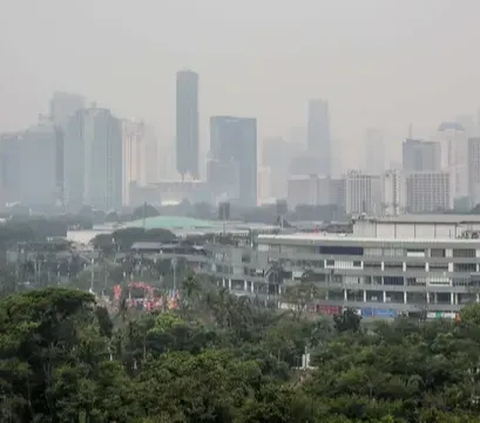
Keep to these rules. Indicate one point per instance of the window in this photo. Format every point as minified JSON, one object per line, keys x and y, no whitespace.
{"x":414,"y":252}
{"x":391,"y":265}
{"x":393,"y":280}
{"x":437,"y":252}
{"x":464,"y":252}
{"x":464,"y":267}
{"x":443,"y":267}
{"x":330,"y":262}
{"x":416,"y":266}
{"x":372,"y":265}
{"x":341,"y":251}
{"x":357,"y":264}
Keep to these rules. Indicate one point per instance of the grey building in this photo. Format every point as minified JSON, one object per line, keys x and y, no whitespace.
{"x":63,"y":105}
{"x":234,"y":140}
{"x":421,"y":156}
{"x":318,"y":135}
{"x":474,"y":171}
{"x":93,"y":160}
{"x":40,"y":164}
{"x":187,"y":138}
{"x":422,"y":266}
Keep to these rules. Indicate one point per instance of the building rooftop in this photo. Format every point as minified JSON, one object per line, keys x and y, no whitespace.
{"x":313,"y":238}
{"x":424,"y":218}
{"x":171,"y":223}
{"x":189,"y":226}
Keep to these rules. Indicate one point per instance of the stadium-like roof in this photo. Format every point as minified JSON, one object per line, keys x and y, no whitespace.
{"x":171,"y":223}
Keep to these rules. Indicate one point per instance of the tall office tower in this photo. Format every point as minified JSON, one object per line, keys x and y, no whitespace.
{"x":362,"y":193}
{"x":74,"y":159}
{"x":103,"y":160}
{"x":318,"y":135}
{"x":93,"y":160}
{"x":393,"y":193}
{"x":63,"y":105}
{"x":10,"y":167}
{"x":421,"y":156}
{"x":133,"y":152}
{"x":474,"y":171}
{"x":429,"y":192}
{"x":41,"y":153}
{"x":454,"y":144}
{"x":374,"y":152}
{"x":187,"y":138}
{"x":233,"y":148}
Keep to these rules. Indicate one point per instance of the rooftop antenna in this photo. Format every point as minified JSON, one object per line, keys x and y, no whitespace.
{"x":410,"y":131}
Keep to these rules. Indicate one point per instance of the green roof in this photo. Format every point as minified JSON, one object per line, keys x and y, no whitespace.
{"x":171,"y":223}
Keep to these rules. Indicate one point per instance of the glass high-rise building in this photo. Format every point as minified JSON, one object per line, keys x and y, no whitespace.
{"x":187,"y":138}
{"x":233,"y":148}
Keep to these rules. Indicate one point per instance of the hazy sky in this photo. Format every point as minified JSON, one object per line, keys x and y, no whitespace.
{"x":380,"y":63}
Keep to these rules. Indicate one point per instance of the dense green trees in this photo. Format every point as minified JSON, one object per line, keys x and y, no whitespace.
{"x":222,"y":359}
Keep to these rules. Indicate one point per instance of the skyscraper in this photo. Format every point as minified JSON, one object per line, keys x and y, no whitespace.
{"x":474,"y":171}
{"x":103,"y":160}
{"x":233,"y":149}
{"x":318,"y":136}
{"x":420,"y":156}
{"x":63,"y":105}
{"x":93,"y":160}
{"x":41,"y":155}
{"x":453,"y":139}
{"x":187,"y":139}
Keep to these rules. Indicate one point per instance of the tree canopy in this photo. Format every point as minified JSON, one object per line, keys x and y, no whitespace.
{"x":220,"y":358}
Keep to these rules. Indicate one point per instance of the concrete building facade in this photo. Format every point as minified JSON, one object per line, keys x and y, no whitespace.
{"x":362,"y":193}
{"x":429,"y":192}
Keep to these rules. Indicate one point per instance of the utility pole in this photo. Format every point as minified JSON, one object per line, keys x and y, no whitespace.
{"x":92,"y":274}
{"x":174,"y":265}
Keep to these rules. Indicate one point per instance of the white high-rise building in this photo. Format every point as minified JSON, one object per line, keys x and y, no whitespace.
{"x":474,"y":171}
{"x":393,"y":193}
{"x":429,"y":192}
{"x":363,"y":193}
{"x":454,"y":151}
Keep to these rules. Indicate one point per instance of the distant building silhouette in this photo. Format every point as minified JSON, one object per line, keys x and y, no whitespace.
{"x":420,"y":156}
{"x":318,"y":136}
{"x":233,"y":148}
{"x":187,"y":138}
{"x":93,"y":160}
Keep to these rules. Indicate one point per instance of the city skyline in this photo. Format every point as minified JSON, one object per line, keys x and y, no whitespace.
{"x":358,"y":56}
